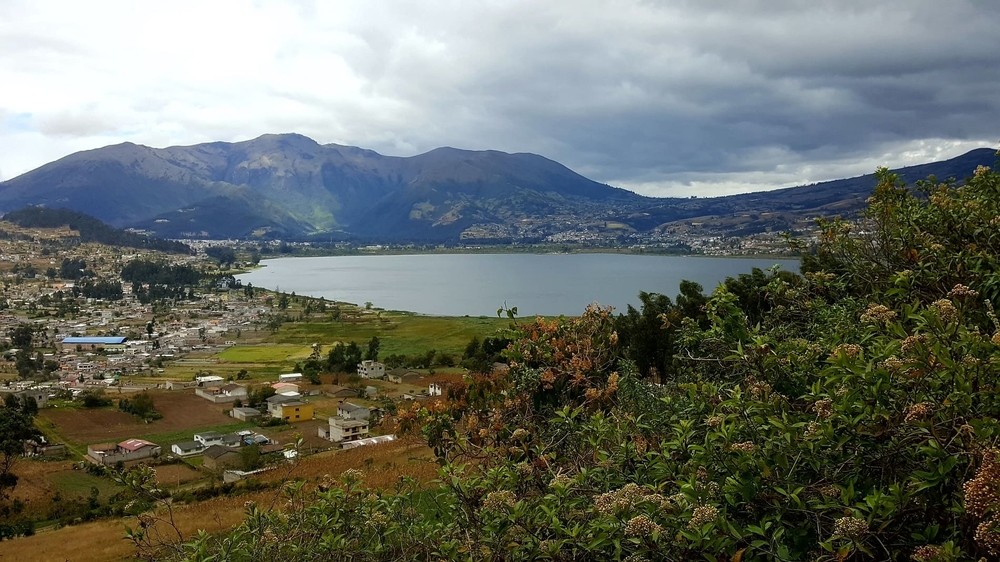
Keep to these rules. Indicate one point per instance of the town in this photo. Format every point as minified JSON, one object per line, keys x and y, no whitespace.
{"x":125,"y":357}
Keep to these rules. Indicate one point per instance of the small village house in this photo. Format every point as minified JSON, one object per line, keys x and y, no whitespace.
{"x":219,"y":458}
{"x":245,"y":414}
{"x":350,"y":411}
{"x":127,"y":451}
{"x":223,"y":394}
{"x":400,"y":375}
{"x":289,"y":408}
{"x":187,"y":448}
{"x":287,"y":388}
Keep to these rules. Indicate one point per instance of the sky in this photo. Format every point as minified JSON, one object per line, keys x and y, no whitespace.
{"x":666,"y":98}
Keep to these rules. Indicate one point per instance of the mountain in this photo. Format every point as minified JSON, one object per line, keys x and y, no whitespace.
{"x":291,"y":187}
{"x":782,"y":209}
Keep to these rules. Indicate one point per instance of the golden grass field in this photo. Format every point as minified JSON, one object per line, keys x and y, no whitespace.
{"x":383,"y":465}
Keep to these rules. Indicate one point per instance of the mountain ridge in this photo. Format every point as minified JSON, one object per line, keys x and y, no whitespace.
{"x":290,"y":186}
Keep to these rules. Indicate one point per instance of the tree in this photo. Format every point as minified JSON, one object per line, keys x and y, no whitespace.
{"x":225,"y":255}
{"x":352,"y":356}
{"x":472,"y":348}
{"x":24,"y":364}
{"x":21,"y":336}
{"x":336,"y":358}
{"x":373,"y":346}
{"x":94,"y":398}
{"x":140,"y":405}
{"x":16,"y":427}
{"x":250,"y":457}
{"x":647,"y":334}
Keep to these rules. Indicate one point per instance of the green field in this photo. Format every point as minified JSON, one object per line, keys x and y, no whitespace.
{"x":399,"y":333}
{"x":265,"y":354}
{"x":79,"y":483}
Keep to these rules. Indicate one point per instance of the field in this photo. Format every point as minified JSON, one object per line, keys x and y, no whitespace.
{"x":254,"y":354}
{"x":105,"y":540}
{"x":39,"y":480}
{"x":176,"y":474}
{"x":265,"y":355}
{"x":183,"y":414}
{"x":382,"y":466}
{"x":399,"y":333}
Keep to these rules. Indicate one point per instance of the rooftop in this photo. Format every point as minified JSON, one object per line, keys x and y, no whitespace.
{"x":94,"y":340}
{"x":347,"y":424}
{"x":135,"y":444}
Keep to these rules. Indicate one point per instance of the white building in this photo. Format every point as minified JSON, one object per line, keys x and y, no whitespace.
{"x":342,"y":430}
{"x":210,"y":380}
{"x":369,"y":369}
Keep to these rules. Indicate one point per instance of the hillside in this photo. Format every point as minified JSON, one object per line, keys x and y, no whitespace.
{"x":291,"y":187}
{"x":91,"y":229}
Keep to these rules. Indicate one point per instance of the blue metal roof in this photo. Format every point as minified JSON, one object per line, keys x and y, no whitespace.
{"x":101,"y":340}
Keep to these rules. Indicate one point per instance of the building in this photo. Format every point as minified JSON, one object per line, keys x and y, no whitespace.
{"x":289,"y":408}
{"x":350,"y":411}
{"x":127,"y":451}
{"x":210,"y":381}
{"x":341,"y":430}
{"x":369,"y":369}
{"x":209,"y":438}
{"x":336,"y":391}
{"x":187,"y":448}
{"x":113,"y":343}
{"x":285,"y":388}
{"x":245,"y":414}
{"x":400,"y":375}
{"x":39,"y":395}
{"x":435,"y":389}
{"x":290,"y":377}
{"x":223,"y":394}
{"x":218,"y":457}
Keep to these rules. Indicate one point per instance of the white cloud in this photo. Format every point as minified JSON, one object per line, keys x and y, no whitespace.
{"x":666,"y":98}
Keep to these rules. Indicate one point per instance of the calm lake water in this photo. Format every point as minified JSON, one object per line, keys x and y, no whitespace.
{"x":478,"y":284}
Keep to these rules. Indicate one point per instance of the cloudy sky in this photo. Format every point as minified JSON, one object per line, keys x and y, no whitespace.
{"x":665,"y":98}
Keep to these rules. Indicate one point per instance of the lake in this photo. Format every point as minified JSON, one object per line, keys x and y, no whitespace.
{"x":478,"y":284}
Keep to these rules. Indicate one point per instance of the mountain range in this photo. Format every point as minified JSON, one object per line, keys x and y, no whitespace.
{"x":291,"y":187}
